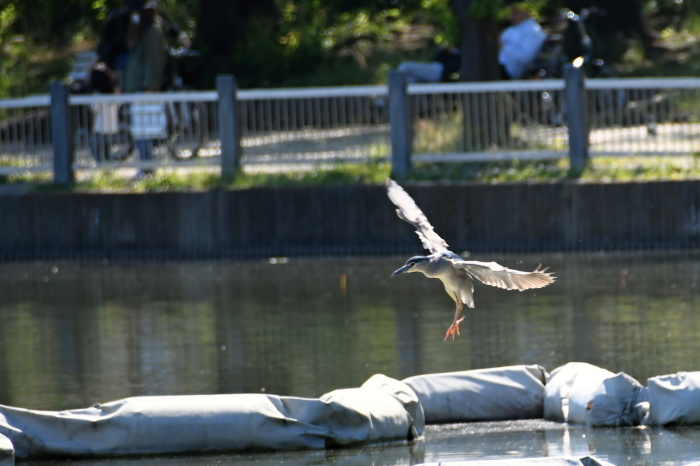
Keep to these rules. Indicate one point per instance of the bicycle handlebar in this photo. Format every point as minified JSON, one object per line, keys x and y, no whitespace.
{"x":180,"y":52}
{"x":583,"y":15}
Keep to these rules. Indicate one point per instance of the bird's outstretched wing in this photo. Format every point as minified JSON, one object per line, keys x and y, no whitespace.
{"x":409,"y":212}
{"x":491,"y":273}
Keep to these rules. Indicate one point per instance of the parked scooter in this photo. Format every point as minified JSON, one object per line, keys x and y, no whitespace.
{"x":551,"y":60}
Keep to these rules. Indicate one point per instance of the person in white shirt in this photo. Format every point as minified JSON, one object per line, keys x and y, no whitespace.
{"x":520,"y":43}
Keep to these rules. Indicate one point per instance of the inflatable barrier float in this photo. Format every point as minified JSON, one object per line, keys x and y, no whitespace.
{"x":381,"y":410}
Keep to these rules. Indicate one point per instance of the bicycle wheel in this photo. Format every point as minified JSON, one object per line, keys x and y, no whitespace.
{"x":185,"y":135}
{"x":123,"y":146}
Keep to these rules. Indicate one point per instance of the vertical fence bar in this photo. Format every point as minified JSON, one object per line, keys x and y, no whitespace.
{"x":61,"y":134}
{"x":400,"y":121}
{"x":229,"y":126}
{"x":577,"y":118}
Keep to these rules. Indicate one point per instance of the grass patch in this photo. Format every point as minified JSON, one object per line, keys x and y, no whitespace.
{"x":605,"y":169}
{"x":602,"y":169}
{"x":201,"y":179}
{"x":347,"y":174}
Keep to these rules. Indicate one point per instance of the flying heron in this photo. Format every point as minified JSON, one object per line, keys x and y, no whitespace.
{"x":455,"y":273}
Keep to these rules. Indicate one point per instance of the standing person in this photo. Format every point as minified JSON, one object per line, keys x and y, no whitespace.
{"x":112,"y":48}
{"x":520,"y":43}
{"x":145,"y":72}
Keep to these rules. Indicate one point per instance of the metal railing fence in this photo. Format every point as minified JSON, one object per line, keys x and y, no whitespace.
{"x":401,"y":123}
{"x":185,"y":127}
{"x":486,"y":121}
{"x":25,"y":134}
{"x":311,"y":126}
{"x":644,"y":116}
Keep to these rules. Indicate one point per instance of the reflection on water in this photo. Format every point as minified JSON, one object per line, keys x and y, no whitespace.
{"x":74,"y":335}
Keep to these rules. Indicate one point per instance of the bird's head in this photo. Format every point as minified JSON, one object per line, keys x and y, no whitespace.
{"x":414,"y":264}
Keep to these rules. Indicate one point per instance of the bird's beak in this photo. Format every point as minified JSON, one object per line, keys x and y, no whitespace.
{"x":401,"y":270}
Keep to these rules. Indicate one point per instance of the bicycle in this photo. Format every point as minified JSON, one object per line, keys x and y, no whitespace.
{"x":182,"y":129}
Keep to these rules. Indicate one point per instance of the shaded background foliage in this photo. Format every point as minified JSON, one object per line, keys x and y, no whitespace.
{"x":268,"y":43}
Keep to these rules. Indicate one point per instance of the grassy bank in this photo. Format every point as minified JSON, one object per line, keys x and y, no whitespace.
{"x":603,"y":169}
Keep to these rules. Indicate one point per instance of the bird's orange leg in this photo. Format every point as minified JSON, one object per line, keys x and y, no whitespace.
{"x":454,"y":328}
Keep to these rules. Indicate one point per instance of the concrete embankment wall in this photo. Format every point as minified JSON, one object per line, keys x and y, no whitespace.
{"x":330,"y":220}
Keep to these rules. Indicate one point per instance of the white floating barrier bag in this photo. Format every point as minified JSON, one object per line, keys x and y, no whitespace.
{"x":501,"y":393}
{"x":7,"y":452}
{"x":675,"y":398}
{"x":205,"y":423}
{"x":580,"y":393}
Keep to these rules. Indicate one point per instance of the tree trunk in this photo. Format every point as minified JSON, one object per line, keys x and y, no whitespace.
{"x":479,"y":44}
{"x":222,"y":24}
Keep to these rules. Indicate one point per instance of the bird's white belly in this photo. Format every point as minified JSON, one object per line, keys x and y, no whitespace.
{"x":458,"y":287}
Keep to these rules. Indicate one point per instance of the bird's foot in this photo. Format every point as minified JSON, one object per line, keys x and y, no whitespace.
{"x":454,"y":328}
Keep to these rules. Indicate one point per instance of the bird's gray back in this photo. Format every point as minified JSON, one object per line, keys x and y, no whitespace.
{"x":440,"y":264}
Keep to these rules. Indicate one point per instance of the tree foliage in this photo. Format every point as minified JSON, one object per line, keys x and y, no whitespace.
{"x":270,"y":41}
{"x":54,"y":21}
{"x":280,"y":42}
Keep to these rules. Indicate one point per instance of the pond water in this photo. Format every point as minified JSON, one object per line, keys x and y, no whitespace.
{"x":73,"y":335}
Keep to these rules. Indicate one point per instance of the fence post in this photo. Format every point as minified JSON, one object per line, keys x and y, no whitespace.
{"x":400,"y":121}
{"x":577,"y":116}
{"x":229,"y":126}
{"x":61,"y":134}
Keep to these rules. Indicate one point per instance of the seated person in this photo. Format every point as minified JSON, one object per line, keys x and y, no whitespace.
{"x":444,"y":65}
{"x":520,"y":43}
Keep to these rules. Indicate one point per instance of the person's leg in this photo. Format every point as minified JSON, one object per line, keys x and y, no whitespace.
{"x":106,"y":146}
{"x":417,"y":72}
{"x":95,"y":147}
{"x":145,"y":148}
{"x":100,"y":147}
